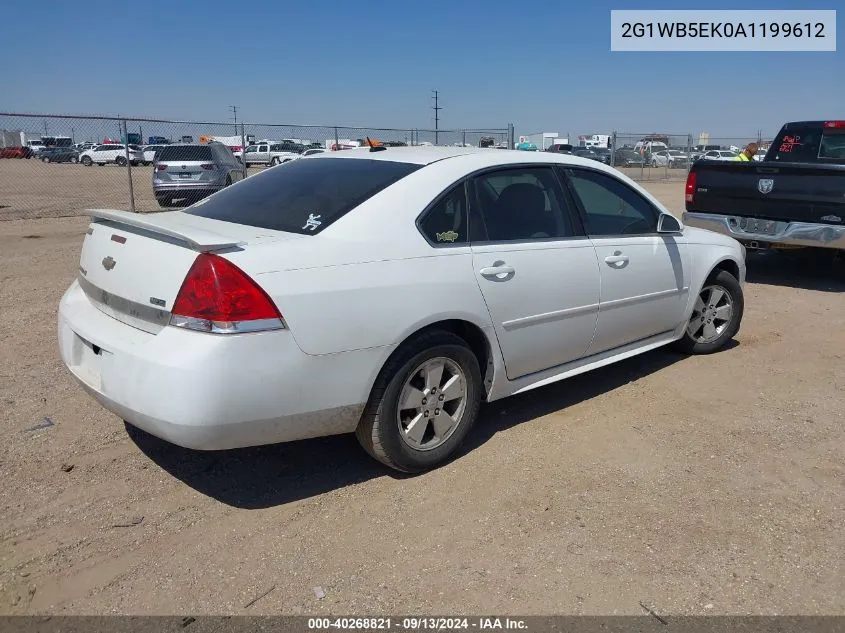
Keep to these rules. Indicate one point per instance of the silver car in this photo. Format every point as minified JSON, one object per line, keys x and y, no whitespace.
{"x":190,"y":172}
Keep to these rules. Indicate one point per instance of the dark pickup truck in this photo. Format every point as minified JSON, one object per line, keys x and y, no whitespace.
{"x":794,"y":197}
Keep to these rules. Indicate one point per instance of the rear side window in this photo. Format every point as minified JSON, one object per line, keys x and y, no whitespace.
{"x":302,"y":196}
{"x":185,"y":152}
{"x":446,"y":222}
{"x":833,"y":144}
{"x":808,"y":144}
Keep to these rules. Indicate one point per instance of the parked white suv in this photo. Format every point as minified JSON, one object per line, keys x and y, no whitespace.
{"x":111,"y":153}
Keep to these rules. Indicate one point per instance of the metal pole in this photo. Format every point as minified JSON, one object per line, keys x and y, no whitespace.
{"x":613,"y":149}
{"x":128,"y":168}
{"x":336,"y":141}
{"x":464,"y":141}
{"x":243,"y":145}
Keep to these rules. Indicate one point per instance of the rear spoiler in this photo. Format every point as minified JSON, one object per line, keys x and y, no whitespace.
{"x":196,"y":239}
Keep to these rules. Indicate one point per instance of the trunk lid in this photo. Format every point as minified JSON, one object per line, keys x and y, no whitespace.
{"x":132,"y":266}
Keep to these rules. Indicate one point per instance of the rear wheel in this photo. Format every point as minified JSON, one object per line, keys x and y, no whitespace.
{"x":46,"y":159}
{"x":121,"y":161}
{"x":86,"y":160}
{"x":274,"y":162}
{"x":74,"y":160}
{"x":716,"y":315}
{"x":423,"y":404}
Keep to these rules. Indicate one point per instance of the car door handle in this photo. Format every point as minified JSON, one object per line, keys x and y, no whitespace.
{"x":616,"y":258}
{"x":496,"y":271}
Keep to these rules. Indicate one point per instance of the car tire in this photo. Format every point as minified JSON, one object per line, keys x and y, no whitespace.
{"x":86,"y":160}
{"x":74,"y":160}
{"x":706,"y":312}
{"x":120,"y":161}
{"x":274,"y":162}
{"x":381,"y":431}
{"x":46,"y":159}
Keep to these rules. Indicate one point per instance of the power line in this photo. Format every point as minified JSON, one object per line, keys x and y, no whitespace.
{"x":436,"y":107}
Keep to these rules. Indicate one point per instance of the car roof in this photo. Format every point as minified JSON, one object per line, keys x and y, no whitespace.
{"x":479,"y":156}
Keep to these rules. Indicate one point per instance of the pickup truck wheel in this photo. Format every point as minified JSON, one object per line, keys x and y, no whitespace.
{"x":274,"y":162}
{"x":423,"y":403}
{"x":716,"y":315}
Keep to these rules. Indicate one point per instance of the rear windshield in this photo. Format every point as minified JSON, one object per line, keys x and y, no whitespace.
{"x":303,"y":196}
{"x":184,"y":152}
{"x":808,"y":144}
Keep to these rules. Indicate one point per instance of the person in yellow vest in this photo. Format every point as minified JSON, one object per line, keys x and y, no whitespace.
{"x":747,"y":155}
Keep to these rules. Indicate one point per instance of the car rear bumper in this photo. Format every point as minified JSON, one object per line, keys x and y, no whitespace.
{"x":211,"y":392}
{"x":786,"y":233}
{"x":186,"y":188}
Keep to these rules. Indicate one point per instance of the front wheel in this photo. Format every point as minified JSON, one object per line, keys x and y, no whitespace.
{"x":716,"y":315}
{"x":121,"y":161}
{"x":86,"y":160}
{"x":74,"y":160}
{"x":423,"y":404}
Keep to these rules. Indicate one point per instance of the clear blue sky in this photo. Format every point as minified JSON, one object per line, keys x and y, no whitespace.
{"x":544,"y":65}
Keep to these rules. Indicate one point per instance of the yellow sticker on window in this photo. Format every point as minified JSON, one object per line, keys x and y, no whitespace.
{"x":446,"y":236}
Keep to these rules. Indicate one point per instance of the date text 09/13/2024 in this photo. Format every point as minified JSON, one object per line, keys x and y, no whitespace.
{"x":416,"y":623}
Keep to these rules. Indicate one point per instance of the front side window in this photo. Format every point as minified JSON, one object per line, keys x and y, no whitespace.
{"x":305,"y":197}
{"x":610,"y":206}
{"x":523,"y":204}
{"x":446,"y":222}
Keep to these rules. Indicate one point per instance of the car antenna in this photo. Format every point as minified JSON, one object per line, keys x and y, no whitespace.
{"x":375,"y":148}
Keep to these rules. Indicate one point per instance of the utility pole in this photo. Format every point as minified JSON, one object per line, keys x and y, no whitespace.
{"x":234,"y":110}
{"x":436,"y":107}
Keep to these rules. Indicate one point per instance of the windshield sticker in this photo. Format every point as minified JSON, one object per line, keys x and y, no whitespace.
{"x":446,"y":236}
{"x":312,"y":222}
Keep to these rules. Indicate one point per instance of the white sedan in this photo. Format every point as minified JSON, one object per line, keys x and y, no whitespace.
{"x":386,"y":292}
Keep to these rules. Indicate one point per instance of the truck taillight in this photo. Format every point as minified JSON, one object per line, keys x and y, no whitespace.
{"x":161,"y":167}
{"x":835,"y":124}
{"x":690,"y":188}
{"x":220,"y":298}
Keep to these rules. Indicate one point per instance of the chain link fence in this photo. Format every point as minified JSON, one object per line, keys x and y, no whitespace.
{"x":54,"y":176}
{"x":660,"y":156}
{"x":66,"y":165}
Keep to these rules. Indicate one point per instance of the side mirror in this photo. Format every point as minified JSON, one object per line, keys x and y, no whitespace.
{"x":667,"y":223}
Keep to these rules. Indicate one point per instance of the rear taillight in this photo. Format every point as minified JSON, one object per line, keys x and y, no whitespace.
{"x":837,"y":124}
{"x":220,"y":298}
{"x":161,"y":167}
{"x":208,"y":166}
{"x":690,"y":188}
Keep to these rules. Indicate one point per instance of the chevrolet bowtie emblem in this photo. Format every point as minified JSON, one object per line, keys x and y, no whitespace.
{"x":108,"y":262}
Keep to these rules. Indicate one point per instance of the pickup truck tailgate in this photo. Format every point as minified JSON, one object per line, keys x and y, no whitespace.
{"x":793,"y":191}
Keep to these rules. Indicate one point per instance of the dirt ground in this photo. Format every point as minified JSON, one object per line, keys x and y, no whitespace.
{"x":706,"y":485}
{"x":32,"y":189}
